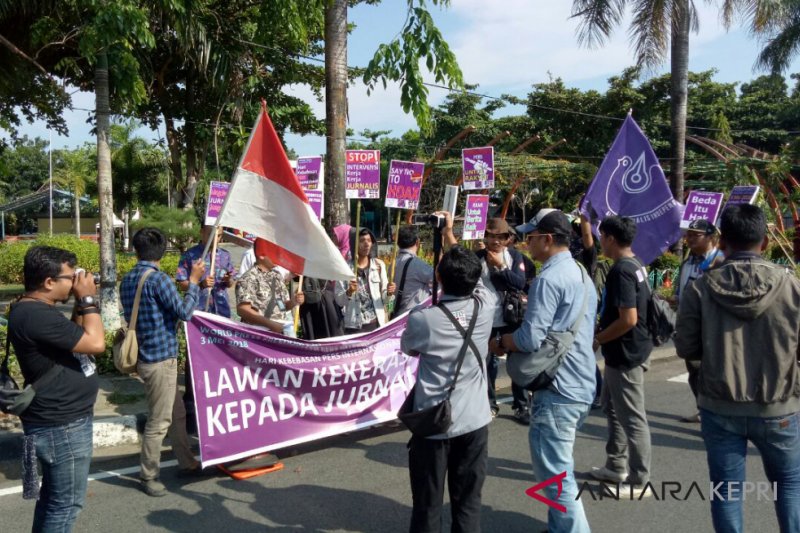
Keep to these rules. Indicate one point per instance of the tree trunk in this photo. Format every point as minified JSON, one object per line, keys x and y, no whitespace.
{"x":109,"y":298}
{"x":679,"y":92}
{"x":335,"y":111}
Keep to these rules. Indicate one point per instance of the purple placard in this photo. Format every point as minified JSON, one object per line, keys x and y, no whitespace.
{"x":475,"y":216}
{"x":308,"y":170}
{"x":701,"y":204}
{"x":257,"y":391}
{"x":362,"y":174}
{"x":743,"y":194}
{"x":404,"y":184}
{"x":478,"y":167}
{"x":315,"y":201}
{"x":216,"y":197}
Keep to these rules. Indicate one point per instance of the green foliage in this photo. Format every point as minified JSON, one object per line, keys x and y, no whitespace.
{"x":181,"y":227}
{"x":667,"y":261}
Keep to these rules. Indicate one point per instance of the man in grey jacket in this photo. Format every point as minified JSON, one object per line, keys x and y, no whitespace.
{"x":741,"y":321}
{"x":462,"y":452}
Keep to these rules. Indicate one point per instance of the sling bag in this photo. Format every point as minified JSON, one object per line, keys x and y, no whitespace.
{"x":126,"y":345}
{"x":437,"y":419}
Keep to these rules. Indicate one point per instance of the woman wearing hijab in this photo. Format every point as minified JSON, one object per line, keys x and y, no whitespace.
{"x":364,"y":297}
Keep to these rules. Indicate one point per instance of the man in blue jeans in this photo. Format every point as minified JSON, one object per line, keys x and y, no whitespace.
{"x":555,"y":300}
{"x":52,"y":352}
{"x":740,"y":321}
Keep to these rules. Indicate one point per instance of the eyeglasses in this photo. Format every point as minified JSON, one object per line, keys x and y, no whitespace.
{"x":501,"y":236}
{"x":532,"y":235}
{"x":65,"y":276}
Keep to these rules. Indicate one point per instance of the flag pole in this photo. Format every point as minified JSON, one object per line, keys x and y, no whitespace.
{"x":394,"y":250}
{"x":241,"y":160}
{"x":214,"y":240}
{"x":296,"y":311}
{"x":358,"y":230}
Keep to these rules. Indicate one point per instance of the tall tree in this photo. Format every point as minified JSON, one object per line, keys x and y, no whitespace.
{"x":335,"y":110}
{"x":657,"y":26}
{"x":73,"y":171}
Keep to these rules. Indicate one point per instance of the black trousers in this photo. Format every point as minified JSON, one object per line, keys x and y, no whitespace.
{"x":463,"y":460}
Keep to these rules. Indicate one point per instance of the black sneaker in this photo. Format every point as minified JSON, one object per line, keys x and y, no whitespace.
{"x":522,"y":415}
{"x":495,"y":409}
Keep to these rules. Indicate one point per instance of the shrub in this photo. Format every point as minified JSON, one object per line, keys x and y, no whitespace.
{"x":667,"y":261}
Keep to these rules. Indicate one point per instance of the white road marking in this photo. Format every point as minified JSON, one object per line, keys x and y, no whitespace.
{"x":103,"y":474}
{"x":680,"y":378}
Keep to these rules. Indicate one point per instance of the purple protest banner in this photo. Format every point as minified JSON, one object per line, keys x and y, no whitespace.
{"x":631,"y":183}
{"x":478,"y":167}
{"x":315,"y":200}
{"x":742,"y":194}
{"x":404,"y":184}
{"x":475,"y":216}
{"x":701,"y":204}
{"x":362,"y":174}
{"x":257,"y":391}
{"x":308,"y":170}
{"x":216,"y":197}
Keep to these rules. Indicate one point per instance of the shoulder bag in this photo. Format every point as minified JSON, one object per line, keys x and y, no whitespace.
{"x":437,"y":419}
{"x":536,"y":370}
{"x":126,"y":345}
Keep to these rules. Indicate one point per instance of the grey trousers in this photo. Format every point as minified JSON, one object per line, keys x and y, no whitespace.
{"x":628,"y":446}
{"x":165,"y":414}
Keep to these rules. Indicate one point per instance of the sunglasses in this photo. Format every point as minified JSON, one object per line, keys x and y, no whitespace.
{"x":501,"y":236}
{"x":530,"y":236}
{"x":65,"y":276}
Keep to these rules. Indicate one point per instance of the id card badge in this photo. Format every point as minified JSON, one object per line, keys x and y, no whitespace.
{"x":280,"y":305}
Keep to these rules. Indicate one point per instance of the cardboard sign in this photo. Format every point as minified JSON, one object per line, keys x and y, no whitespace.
{"x":478,"y":167}
{"x":308,"y":171}
{"x":405,"y":184}
{"x":362,"y":174}
{"x":701,"y":205}
{"x":216,"y":197}
{"x":475,"y":216}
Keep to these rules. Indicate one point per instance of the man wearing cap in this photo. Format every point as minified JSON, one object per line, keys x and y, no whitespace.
{"x":261,"y":295}
{"x":503,"y":269}
{"x":555,"y":300}
{"x":701,"y":239}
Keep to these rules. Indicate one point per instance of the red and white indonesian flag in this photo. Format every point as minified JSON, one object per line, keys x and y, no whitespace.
{"x":265,"y":199}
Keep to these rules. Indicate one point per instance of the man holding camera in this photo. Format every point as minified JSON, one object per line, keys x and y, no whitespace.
{"x":412,"y":276}
{"x":461,"y":453}
{"x":51,"y":352}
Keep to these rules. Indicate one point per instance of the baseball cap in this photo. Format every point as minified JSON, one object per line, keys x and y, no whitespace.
{"x":548,"y":221}
{"x":703,"y":226}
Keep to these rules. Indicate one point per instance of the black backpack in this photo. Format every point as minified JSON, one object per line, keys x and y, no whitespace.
{"x":660,"y":318}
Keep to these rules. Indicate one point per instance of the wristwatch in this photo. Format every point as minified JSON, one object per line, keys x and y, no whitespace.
{"x":87,"y":301}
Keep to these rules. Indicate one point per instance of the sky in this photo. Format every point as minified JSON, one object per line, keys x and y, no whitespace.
{"x":504,"y":46}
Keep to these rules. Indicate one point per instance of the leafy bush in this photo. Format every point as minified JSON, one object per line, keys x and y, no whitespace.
{"x":181,"y":227}
{"x":667,"y":261}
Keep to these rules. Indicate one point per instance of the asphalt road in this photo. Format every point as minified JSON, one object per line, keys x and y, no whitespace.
{"x":359,"y":482}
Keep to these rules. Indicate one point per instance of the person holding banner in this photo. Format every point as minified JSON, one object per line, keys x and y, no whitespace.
{"x":364,"y":298}
{"x":434,"y":335}
{"x":412,"y":276}
{"x":262,"y":298}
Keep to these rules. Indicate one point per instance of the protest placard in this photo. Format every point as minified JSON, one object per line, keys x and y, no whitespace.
{"x":742,"y":194}
{"x":475,"y":216}
{"x":701,"y":205}
{"x":478,"y":167}
{"x":362,"y":174}
{"x":217,"y":192}
{"x":404,"y":184}
{"x":315,"y":200}
{"x":308,"y":171}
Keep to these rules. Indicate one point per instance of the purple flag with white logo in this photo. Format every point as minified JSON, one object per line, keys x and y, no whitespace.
{"x":631,"y":183}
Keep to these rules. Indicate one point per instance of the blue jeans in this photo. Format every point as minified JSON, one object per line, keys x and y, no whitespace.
{"x":554,"y":422}
{"x":778,"y":440}
{"x":65,"y":453}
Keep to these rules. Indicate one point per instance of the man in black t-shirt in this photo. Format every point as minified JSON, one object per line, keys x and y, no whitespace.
{"x":52,"y":352}
{"x":626,"y":345}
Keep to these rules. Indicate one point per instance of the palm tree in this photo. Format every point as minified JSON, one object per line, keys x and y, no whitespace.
{"x":335,"y":110}
{"x":778,"y":22}
{"x":73,"y":170}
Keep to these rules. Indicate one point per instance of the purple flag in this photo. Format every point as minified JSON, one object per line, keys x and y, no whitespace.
{"x":631,"y":183}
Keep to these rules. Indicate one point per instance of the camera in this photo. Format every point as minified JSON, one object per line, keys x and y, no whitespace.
{"x":95,"y":276}
{"x":435,"y":221}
